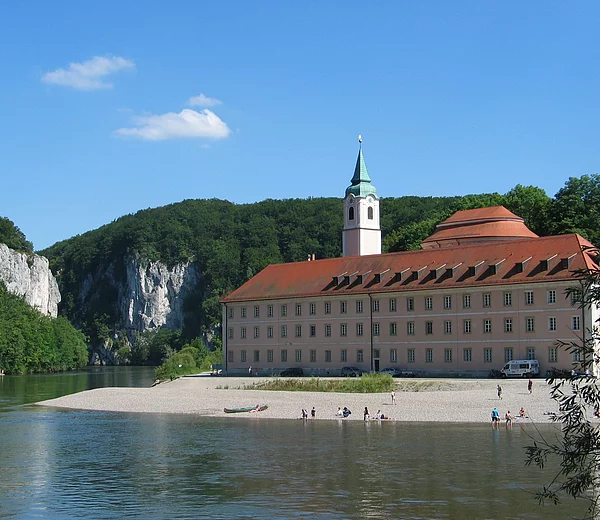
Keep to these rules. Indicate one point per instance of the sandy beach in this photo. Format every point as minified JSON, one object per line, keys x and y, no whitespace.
{"x":447,"y":400}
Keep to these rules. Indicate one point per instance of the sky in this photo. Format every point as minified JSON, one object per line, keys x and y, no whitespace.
{"x":107,"y":108}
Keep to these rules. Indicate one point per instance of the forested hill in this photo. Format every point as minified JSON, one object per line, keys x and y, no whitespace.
{"x":232,"y":242}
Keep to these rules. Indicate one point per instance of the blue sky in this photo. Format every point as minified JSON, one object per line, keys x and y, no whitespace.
{"x":115,"y":106}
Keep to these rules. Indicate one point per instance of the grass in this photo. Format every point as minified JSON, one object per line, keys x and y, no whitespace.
{"x":367,"y":384}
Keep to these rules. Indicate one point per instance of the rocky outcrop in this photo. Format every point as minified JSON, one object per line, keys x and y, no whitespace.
{"x":153,"y":294}
{"x":29,"y":276}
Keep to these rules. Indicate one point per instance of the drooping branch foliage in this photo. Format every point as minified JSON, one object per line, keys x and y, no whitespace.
{"x":578,"y":398}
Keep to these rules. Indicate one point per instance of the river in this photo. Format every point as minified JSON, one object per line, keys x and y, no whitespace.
{"x":74,"y":464}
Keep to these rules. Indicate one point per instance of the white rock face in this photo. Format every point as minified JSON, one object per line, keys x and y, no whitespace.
{"x":29,"y":276}
{"x":153,"y":294}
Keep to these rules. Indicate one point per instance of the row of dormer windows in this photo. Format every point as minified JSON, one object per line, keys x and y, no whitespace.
{"x":428,"y":304}
{"x":446,"y":327}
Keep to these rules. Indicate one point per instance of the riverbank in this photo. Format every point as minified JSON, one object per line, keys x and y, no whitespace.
{"x":446,"y":400}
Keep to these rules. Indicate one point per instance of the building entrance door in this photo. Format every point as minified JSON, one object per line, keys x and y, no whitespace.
{"x":376,"y":360}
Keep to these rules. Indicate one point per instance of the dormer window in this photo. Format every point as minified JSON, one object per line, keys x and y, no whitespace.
{"x":370,"y":212}
{"x":351,"y":213}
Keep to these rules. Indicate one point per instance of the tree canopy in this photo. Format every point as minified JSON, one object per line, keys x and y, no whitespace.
{"x":13,"y":237}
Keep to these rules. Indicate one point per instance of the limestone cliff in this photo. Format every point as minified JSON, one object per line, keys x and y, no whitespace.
{"x":29,"y":276}
{"x":153,"y":294}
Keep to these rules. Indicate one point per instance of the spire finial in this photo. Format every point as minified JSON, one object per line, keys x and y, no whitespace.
{"x":360,"y":138}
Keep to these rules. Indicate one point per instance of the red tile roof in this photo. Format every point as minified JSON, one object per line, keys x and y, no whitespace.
{"x":493,"y":212}
{"x":514,"y":261}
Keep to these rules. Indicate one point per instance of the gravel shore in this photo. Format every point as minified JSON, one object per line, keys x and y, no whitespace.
{"x":445,"y":400}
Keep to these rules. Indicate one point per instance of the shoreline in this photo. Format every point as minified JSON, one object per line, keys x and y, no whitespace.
{"x":455,"y":400}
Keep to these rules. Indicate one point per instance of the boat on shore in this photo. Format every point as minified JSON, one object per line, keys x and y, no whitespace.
{"x":256,"y":408}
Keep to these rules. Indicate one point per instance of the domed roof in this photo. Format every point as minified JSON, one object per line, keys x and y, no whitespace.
{"x":477,"y":226}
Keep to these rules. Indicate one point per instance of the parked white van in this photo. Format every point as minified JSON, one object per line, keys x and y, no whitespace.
{"x":521,"y":368}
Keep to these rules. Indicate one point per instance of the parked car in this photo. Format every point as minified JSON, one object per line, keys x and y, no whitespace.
{"x":393,"y":371}
{"x":292,"y":372}
{"x":557,"y":373}
{"x":352,"y":372}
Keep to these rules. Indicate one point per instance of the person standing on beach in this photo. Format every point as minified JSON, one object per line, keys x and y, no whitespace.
{"x":393,"y":397}
{"x":366,"y":414}
{"x":250,"y":371}
{"x":499,"y":392}
{"x":313,"y":413}
{"x":530,"y":386}
{"x":495,"y":417}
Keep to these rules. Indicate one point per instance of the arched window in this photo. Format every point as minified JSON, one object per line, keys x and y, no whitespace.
{"x":370,"y":213}
{"x":351,"y":214}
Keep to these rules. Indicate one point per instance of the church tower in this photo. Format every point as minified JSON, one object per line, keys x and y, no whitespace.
{"x":362,"y":232}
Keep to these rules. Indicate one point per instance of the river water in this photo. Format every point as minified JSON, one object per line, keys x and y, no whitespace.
{"x":74,"y":464}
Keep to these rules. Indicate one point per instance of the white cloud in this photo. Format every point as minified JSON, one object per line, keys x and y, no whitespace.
{"x":188,"y":123}
{"x":89,"y":74}
{"x":203,"y":101}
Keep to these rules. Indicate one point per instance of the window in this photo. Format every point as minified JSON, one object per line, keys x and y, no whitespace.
{"x":328,"y":330}
{"x":551,"y":296}
{"x":269,"y":332}
{"x":270,"y":356}
{"x":487,"y":326}
{"x":410,"y":355}
{"x":467,"y":301}
{"x":284,"y":310}
{"x":284,"y":356}
{"x":359,"y":329}
{"x":529,"y":324}
{"x":575,"y":298}
{"x":428,"y":355}
{"x":298,"y":309}
{"x":313,"y":356}
{"x":487,"y":300}
{"x":257,"y":311}
{"x":343,"y":329}
{"x":370,"y":213}
{"x":351,"y":214}
{"x":343,"y":355}
{"x":575,"y":323}
{"x":328,"y":356}
{"x":552,"y":354}
{"x":447,"y":327}
{"x":507,"y":299}
{"x":230,"y":333}
{"x":298,"y":355}
{"x":256,"y":356}
{"x":447,"y":302}
{"x":327,"y":307}
{"x":447,"y":355}
{"x":313,"y":331}
{"x":552,"y":324}
{"x":343,"y":307}
{"x":284,"y":331}
{"x":428,"y":303}
{"x":508,"y":325}
{"x":375,"y":329}
{"x":243,"y":312}
{"x":230,"y":312}
{"x":375,"y":305}
{"x":508,"y":354}
{"x":487,"y":355}
{"x":576,"y":355}
{"x":359,"y":306}
{"x":530,"y":353}
{"x":393,"y":304}
{"x":410,"y":328}
{"x":312,"y":309}
{"x":393,"y":329}
{"x":393,"y":355}
{"x":256,"y":332}
{"x":270,"y":311}
{"x":429,"y":327}
{"x":467,"y":326}
{"x":243,"y":356}
{"x":230,"y":356}
{"x":243,"y":332}
{"x":410,"y":304}
{"x":298,"y":331}
{"x":528,"y":297}
{"x":359,"y":355}
{"x":467,"y":355}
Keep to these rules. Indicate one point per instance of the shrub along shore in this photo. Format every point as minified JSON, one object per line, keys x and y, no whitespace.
{"x":417,"y":400}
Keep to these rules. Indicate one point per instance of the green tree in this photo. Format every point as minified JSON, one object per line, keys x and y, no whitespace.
{"x":578,"y":398}
{"x":532,"y":204}
{"x":13,"y":237}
